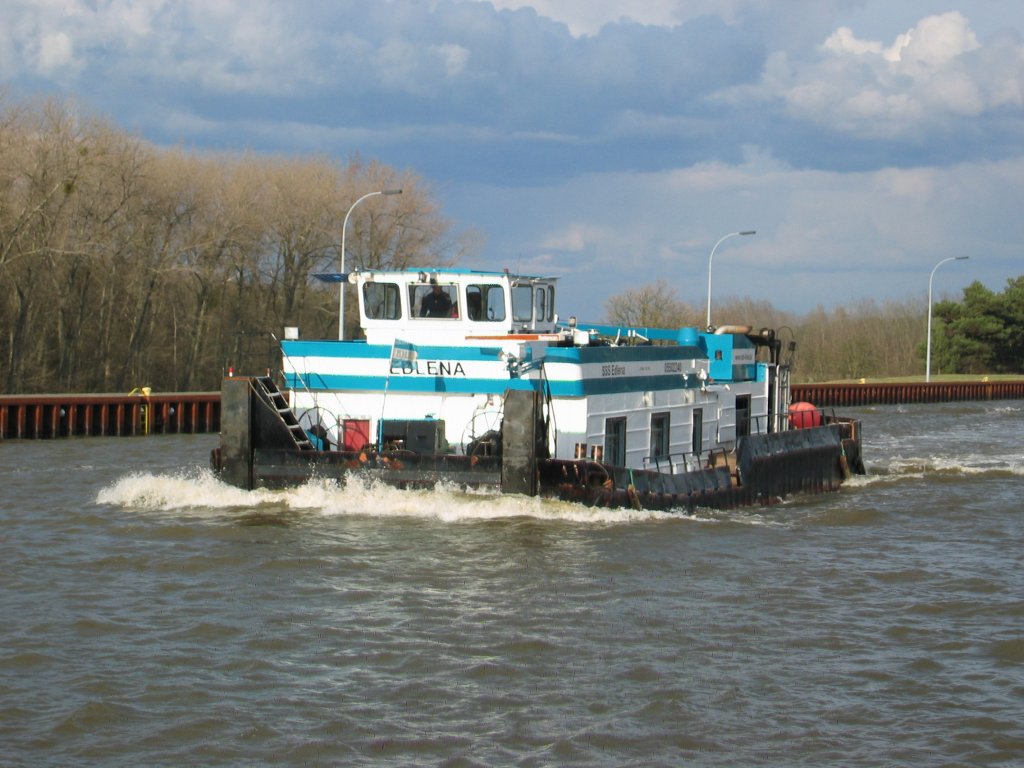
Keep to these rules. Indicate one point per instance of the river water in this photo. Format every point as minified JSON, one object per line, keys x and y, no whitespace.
{"x":152,"y":616}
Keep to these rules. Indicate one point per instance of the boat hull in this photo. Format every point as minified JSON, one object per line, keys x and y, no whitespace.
{"x":259,"y":450}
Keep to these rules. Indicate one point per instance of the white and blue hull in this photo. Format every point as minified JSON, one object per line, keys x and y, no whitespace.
{"x":339,"y":382}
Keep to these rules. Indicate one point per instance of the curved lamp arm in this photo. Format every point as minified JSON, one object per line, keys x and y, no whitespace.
{"x":344,"y":230}
{"x":928,"y":353}
{"x":707,"y":320}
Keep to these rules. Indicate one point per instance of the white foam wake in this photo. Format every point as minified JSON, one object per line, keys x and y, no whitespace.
{"x":199,"y":491}
{"x":920,"y":466}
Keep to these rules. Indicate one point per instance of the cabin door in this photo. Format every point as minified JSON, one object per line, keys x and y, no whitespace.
{"x":615,"y":441}
{"x":742,"y":416}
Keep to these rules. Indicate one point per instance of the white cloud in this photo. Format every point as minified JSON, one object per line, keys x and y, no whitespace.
{"x":933,"y":72}
{"x":222,"y":45}
{"x":843,"y":41}
{"x":935,"y":42}
{"x":454,"y":58}
{"x":881,"y":231}
{"x":587,"y":17}
{"x":56,"y":54}
{"x":572,"y":238}
{"x":132,"y":22}
{"x":398,"y":62}
{"x":846,"y":132}
{"x":542,"y":264}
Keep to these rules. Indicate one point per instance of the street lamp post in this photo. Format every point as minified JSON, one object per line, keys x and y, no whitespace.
{"x":344,"y":229}
{"x":928,"y":353}
{"x":711,"y":258}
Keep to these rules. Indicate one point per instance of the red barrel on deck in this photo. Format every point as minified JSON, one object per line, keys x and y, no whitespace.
{"x":804,"y":416}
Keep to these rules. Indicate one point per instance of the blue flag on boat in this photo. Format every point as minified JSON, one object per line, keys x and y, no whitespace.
{"x":403,"y":352}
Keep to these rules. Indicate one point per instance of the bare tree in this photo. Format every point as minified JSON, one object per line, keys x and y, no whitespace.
{"x":847,"y":342}
{"x":122,"y":265}
{"x":652,"y":306}
{"x":36,"y":235}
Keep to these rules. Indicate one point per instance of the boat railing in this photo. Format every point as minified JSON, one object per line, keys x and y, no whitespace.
{"x":762,"y":423}
{"x":688,"y":461}
{"x":849,"y":428}
{"x":301,"y":378}
{"x":298,"y":375}
{"x":673,"y":463}
{"x":318,"y":422}
{"x":721,"y":457}
{"x":772,"y":422}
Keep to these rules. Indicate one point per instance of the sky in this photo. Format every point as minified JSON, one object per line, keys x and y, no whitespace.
{"x":607,"y":142}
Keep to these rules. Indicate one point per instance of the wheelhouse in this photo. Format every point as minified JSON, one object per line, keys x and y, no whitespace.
{"x":452,"y":304}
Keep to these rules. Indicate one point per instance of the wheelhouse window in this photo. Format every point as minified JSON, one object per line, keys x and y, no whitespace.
{"x":381,"y":301}
{"x":659,"y":435}
{"x":540,"y":303}
{"x":485,"y":303}
{"x":434,"y":300}
{"x":533,"y":303}
{"x":615,"y":441}
{"x":549,"y":298}
{"x":522,"y":303}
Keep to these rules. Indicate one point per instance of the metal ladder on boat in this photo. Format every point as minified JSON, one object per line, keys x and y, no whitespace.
{"x":269,"y":392}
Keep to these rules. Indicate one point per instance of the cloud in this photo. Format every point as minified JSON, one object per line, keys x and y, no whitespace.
{"x":616,"y":140}
{"x":465,"y":90}
{"x":216,"y":44}
{"x":823,"y":237}
{"x":682,"y":80}
{"x":454,"y":58}
{"x":573,"y":238}
{"x":589,"y":17}
{"x":474,"y":63}
{"x":927,"y":78}
{"x":55,"y":54}
{"x":932,"y":44}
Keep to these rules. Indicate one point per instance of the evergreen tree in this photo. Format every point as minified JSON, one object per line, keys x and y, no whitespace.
{"x":984,"y":333}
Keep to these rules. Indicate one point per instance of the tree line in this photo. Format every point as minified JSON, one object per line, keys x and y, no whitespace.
{"x":982,"y":334}
{"x":123,"y":264}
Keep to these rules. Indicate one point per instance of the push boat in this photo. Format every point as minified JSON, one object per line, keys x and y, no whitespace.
{"x":470,"y":378}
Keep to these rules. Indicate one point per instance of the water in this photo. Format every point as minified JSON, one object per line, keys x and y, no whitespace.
{"x":152,"y":616}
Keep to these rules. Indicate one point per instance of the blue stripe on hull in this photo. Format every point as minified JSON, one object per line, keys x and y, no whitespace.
{"x":437,"y":384}
{"x":362,"y":351}
{"x":339,"y":351}
{"x":621,"y":354}
{"x":573,"y":355}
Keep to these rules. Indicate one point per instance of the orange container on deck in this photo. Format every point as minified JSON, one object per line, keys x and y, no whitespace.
{"x":804,"y":416}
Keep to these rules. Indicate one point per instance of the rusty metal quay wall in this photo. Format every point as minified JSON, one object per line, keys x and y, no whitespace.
{"x":831,"y":395}
{"x":112,"y":415}
{"x":33,"y":417}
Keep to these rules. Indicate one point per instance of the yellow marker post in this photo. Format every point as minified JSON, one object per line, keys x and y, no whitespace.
{"x":143,"y":410}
